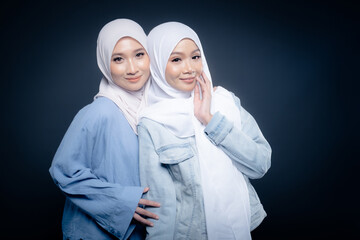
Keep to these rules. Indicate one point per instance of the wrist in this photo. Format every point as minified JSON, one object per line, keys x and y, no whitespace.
{"x":207,"y":119}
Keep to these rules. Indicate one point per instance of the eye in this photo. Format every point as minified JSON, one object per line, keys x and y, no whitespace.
{"x":118,"y":59}
{"x":140,"y":54}
{"x":176,"y":60}
{"x":196,"y":57}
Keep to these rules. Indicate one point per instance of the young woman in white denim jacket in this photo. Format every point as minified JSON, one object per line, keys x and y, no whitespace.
{"x":198,"y":147}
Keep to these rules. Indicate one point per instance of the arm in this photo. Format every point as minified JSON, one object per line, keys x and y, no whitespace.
{"x":246,"y":146}
{"x":156,"y":176}
{"x":111,"y":205}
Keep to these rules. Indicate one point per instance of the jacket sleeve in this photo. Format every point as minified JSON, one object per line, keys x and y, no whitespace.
{"x":246,"y":146}
{"x":157,"y":177}
{"x":111,"y":205}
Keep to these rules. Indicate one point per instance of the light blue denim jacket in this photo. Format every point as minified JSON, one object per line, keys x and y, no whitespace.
{"x":96,"y":167}
{"x":169,"y":166}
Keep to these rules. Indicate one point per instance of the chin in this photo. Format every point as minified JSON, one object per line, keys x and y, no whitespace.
{"x":188,"y":88}
{"x":135,"y":87}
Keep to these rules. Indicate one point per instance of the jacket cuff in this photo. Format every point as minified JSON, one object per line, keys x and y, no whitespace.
{"x":120,"y":219}
{"x":218,"y":128}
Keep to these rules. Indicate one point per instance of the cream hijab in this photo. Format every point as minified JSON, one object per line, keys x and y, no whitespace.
{"x":130,"y":102}
{"x":226,"y":197}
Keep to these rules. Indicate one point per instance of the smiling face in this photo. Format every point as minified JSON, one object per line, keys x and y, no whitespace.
{"x":183,"y":66}
{"x":130,"y":64}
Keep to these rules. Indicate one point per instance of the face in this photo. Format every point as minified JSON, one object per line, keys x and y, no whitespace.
{"x":183,"y":66}
{"x":130,"y":64}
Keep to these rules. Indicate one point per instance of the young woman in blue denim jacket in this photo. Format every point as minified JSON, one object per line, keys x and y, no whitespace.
{"x":96,"y":165}
{"x":197,"y":147}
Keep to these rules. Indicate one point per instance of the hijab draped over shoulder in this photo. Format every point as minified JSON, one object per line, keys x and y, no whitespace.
{"x":130,"y":102}
{"x":226,"y":197}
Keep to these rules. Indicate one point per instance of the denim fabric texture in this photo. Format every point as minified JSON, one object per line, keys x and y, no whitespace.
{"x":96,"y":167}
{"x":169,"y":166}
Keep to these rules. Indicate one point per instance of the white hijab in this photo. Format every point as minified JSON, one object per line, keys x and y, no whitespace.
{"x":226,"y":197}
{"x":130,"y":102}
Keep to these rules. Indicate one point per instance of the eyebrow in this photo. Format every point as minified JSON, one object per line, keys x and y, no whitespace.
{"x":173,"y":53}
{"x":137,"y":50}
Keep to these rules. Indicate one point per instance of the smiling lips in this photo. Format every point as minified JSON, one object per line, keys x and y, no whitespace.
{"x":134,"y":79}
{"x":188,"y":80}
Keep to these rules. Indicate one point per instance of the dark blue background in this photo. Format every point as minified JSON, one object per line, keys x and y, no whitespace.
{"x":293,"y":65}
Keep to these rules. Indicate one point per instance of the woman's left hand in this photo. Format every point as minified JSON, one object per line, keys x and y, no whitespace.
{"x":202,"y":106}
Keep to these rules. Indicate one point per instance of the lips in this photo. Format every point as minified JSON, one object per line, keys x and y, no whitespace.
{"x":133,"y":79}
{"x":188,"y":80}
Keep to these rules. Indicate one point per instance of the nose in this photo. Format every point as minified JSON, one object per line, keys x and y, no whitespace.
{"x":188,"y":68}
{"x":132,"y":67}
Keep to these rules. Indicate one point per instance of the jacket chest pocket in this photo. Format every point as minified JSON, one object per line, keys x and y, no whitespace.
{"x":177,"y":158}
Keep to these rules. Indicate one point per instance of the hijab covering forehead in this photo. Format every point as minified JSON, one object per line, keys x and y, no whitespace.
{"x":109,"y":35}
{"x":162,"y":40}
{"x":130,"y":102}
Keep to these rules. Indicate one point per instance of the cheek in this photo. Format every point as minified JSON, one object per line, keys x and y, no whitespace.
{"x":145,"y":68}
{"x":169,"y":72}
{"x":172,"y":71}
{"x":117,"y":70}
{"x":144,"y":64}
{"x":199,"y":68}
{"x":167,"y":76}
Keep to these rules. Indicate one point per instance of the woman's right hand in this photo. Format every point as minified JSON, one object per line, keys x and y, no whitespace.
{"x":202,"y":105}
{"x":141,"y":213}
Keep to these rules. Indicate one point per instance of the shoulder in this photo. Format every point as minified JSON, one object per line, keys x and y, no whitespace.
{"x":150,"y":132}
{"x":101,"y":111}
{"x":226,"y":93}
{"x":158,"y":133}
{"x":103,"y":106}
{"x":150,"y":126}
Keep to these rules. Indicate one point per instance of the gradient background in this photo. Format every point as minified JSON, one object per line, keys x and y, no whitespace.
{"x":293,"y":65}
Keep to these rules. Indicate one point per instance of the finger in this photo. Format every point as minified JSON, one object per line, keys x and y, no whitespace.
{"x":147,"y":202}
{"x":206,"y":80}
{"x":142,"y":220}
{"x":146,"y":213}
{"x":200,"y":81}
{"x":205,"y":87}
{"x":202,"y":84}
{"x":146,"y":190}
{"x":196,"y":93}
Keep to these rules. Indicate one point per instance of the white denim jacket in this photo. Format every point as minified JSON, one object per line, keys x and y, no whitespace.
{"x":169,"y":166}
